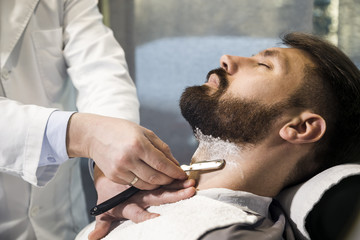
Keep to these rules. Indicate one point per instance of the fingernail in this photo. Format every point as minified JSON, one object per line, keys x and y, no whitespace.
{"x":189,"y":183}
{"x":155,"y":215}
{"x":189,"y":192}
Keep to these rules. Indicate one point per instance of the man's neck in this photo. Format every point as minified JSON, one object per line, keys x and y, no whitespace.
{"x":211,"y":149}
{"x":248,"y":169}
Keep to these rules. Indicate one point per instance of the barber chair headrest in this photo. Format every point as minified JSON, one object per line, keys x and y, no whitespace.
{"x":326,"y":206}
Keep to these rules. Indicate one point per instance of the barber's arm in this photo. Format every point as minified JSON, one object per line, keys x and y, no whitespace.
{"x":21,"y":136}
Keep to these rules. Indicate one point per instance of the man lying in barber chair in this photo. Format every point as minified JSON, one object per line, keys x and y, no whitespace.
{"x":277,"y":118}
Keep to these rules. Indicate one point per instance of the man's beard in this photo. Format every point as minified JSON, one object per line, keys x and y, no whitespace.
{"x":236,"y":120}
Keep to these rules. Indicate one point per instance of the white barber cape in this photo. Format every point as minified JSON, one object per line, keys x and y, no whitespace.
{"x":55,"y":54}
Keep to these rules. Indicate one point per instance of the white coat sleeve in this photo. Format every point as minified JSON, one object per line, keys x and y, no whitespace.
{"x":96,"y":63}
{"x":21,"y":138}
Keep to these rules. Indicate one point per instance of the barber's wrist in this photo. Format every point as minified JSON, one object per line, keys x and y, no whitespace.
{"x":77,"y":135}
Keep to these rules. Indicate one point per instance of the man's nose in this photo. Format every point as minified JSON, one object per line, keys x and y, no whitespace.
{"x":228,"y":63}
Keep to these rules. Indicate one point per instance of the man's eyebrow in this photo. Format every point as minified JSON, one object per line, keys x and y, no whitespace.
{"x":281,"y":58}
{"x":270,"y":53}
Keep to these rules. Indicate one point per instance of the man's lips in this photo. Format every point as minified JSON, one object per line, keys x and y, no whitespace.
{"x":213,"y":81}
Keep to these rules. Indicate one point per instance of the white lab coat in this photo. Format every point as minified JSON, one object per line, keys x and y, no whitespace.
{"x":55,"y":54}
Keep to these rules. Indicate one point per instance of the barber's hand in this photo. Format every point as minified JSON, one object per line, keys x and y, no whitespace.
{"x":124,"y":151}
{"x":134,"y":208}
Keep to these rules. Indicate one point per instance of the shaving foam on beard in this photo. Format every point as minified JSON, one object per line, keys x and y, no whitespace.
{"x":212,"y":148}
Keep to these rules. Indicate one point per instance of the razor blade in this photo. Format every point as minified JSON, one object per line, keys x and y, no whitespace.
{"x":204,"y":165}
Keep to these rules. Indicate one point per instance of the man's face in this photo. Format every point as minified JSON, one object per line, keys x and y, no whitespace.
{"x":240,"y":101}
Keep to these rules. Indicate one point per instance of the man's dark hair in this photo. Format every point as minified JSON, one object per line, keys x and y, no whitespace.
{"x":338,"y":100}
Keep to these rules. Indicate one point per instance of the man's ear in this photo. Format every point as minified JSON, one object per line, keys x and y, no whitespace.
{"x":305,"y":128}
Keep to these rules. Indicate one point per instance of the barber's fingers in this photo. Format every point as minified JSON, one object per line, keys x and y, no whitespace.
{"x":136,"y":210}
{"x":159,"y":144}
{"x":135,"y":207}
{"x":152,"y":163}
{"x":104,"y":222}
{"x":162,"y":195}
{"x":180,"y":184}
{"x":137,"y":214}
{"x":175,"y":185}
{"x":159,"y":161}
{"x":141,"y":175}
{"x":144,"y":199}
{"x":149,"y":178}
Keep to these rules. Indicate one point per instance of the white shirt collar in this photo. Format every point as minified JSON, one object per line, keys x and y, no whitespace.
{"x":244,"y":200}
